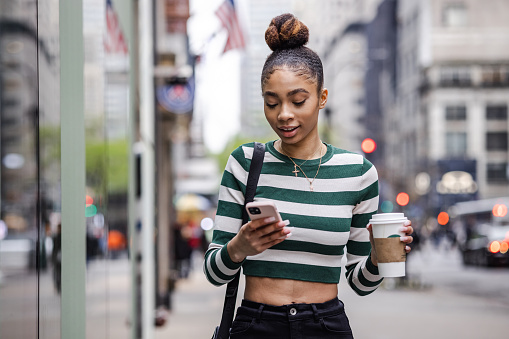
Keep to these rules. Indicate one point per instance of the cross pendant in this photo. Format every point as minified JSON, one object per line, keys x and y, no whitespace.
{"x":295,"y":170}
{"x":311,"y":187}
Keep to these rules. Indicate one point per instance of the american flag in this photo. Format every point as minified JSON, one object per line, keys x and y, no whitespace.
{"x":114,"y":41}
{"x":228,"y":17}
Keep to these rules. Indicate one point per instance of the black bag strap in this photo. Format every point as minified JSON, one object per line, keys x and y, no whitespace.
{"x":233,"y":286}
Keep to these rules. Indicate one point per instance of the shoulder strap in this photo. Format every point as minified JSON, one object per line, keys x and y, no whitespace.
{"x":232,"y":287}
{"x":254,"y":175}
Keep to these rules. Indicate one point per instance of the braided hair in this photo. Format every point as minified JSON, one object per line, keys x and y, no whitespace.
{"x":286,"y":37}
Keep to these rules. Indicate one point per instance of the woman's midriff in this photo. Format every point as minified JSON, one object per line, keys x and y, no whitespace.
{"x":279,"y":292}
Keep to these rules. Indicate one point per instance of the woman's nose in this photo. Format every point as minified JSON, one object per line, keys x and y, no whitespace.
{"x":285,"y":113}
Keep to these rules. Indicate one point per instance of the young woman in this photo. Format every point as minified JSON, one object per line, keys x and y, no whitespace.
{"x":326,"y":194}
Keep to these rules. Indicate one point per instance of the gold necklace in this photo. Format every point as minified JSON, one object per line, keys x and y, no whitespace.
{"x":295,"y":166}
{"x":295,"y":171}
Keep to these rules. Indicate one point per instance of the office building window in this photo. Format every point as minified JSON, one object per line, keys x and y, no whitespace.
{"x":496,"y":141}
{"x":495,"y":76}
{"x":454,"y":14}
{"x":497,"y":173}
{"x":455,"y":113}
{"x":455,"y":76}
{"x":496,"y":112}
{"x":456,"y":144}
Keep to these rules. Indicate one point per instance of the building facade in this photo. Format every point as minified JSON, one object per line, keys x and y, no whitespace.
{"x":450,"y":112}
{"x":341,"y":40}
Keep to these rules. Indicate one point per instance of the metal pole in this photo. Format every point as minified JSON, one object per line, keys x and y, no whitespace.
{"x":146,"y":77}
{"x":72,"y":119}
{"x":133,"y":216}
{"x":127,"y":11}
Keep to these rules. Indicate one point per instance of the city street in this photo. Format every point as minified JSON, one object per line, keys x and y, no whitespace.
{"x":440,"y":299}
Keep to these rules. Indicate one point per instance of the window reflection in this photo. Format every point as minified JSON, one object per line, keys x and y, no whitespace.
{"x":30,"y":173}
{"x":106,"y":141}
{"x":19,"y":172}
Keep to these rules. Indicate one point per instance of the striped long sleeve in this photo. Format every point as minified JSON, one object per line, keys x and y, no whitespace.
{"x":362,"y":275}
{"x":218,"y":266}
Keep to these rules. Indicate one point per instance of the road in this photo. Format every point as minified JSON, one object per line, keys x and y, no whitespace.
{"x":440,"y":299}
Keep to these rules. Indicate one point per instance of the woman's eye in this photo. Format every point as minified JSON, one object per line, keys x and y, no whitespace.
{"x":300,"y":103}
{"x":270,"y":105}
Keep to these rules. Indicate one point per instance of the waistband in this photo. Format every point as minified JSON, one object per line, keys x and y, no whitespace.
{"x":291,"y":311}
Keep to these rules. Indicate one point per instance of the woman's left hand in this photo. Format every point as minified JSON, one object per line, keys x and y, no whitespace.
{"x":407,"y":239}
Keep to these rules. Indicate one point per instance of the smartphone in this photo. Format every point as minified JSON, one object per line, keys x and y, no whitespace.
{"x":262,"y":209}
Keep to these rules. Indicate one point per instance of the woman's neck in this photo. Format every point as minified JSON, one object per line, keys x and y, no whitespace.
{"x":311,"y":150}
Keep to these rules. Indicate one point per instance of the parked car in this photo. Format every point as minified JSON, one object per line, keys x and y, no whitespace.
{"x":488,"y":245}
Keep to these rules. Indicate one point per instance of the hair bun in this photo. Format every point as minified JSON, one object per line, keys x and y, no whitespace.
{"x":286,"y":31}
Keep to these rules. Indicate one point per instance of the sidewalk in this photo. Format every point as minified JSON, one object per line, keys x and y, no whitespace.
{"x":197,"y":308}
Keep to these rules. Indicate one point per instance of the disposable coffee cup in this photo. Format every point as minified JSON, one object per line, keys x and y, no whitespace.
{"x":389,"y":248}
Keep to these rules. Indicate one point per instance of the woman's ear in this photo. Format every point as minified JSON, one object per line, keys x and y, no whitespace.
{"x":323,"y":98}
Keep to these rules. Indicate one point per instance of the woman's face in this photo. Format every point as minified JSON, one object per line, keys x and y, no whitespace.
{"x":291,"y":106}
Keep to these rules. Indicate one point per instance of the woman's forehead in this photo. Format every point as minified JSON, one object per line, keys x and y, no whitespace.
{"x":289,"y":79}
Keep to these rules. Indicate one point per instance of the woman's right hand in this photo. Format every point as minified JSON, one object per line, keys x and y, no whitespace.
{"x":256,"y":236}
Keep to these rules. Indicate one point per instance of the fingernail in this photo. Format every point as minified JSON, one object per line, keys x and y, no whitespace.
{"x":283,"y":223}
{"x":285,"y":236}
{"x":287,"y":222}
{"x":406,"y":223}
{"x":270,"y":219}
{"x":289,"y":228}
{"x":403,"y":239}
{"x":402,"y":229}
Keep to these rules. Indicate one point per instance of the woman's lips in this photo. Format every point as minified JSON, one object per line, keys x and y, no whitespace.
{"x":288,"y":131}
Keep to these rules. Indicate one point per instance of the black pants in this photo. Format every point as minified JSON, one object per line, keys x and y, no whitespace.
{"x":293,"y":321}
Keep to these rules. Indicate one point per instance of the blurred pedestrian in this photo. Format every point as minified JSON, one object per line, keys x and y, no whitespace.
{"x":328,"y":195}
{"x":56,"y":258}
{"x":195,"y":235}
{"x":182,"y":250}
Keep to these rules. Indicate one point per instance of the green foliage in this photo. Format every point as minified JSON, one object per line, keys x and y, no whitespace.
{"x":107,"y":165}
{"x":118,"y":166}
{"x":49,"y":139}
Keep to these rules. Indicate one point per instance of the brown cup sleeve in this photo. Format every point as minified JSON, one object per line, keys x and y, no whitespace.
{"x":390,"y":250}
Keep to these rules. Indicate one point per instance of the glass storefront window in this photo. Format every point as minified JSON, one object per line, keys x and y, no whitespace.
{"x":31,"y":270}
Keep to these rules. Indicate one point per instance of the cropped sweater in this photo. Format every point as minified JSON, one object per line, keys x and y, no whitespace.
{"x":328,"y":222}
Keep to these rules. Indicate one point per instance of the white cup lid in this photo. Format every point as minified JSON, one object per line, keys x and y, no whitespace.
{"x":387,"y":217}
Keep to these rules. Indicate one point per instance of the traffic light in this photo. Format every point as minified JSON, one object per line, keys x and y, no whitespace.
{"x":402,"y":199}
{"x":368,"y":145}
{"x":90,"y":208}
{"x":443,"y":218}
{"x":387,"y":206}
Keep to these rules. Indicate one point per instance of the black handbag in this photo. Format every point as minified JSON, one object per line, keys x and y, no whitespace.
{"x":223,"y":330}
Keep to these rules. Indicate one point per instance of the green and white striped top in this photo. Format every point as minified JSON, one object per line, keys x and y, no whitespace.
{"x":328,"y":222}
